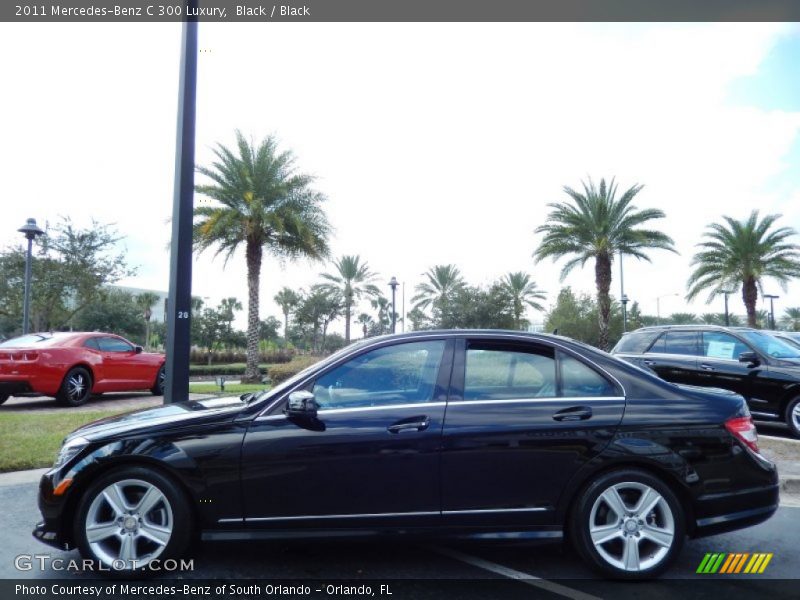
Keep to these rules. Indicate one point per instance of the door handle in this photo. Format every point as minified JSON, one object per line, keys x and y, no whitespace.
{"x":413,"y":424}
{"x":574,"y":413}
{"x":706,"y":367}
{"x":649,"y":363}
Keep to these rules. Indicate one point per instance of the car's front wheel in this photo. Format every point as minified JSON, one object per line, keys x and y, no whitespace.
{"x":628,"y":524}
{"x":76,"y":387}
{"x":793,"y":416}
{"x":131,"y":517}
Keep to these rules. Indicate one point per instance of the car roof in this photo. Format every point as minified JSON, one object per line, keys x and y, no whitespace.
{"x":693,"y":326}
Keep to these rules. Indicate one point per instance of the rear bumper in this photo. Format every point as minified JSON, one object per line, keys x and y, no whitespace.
{"x":718,"y":513}
{"x":12,"y":386}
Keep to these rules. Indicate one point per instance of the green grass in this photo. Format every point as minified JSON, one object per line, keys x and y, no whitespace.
{"x":220,"y":369}
{"x":31,"y":440}
{"x":233,"y":388}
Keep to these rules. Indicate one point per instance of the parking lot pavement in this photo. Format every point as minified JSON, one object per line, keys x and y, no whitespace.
{"x":518,"y":564}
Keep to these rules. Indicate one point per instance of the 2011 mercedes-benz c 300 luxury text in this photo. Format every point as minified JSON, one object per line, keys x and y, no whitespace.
{"x":468,"y":433}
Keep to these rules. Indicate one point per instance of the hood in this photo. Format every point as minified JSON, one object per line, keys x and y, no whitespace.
{"x":167,"y":416}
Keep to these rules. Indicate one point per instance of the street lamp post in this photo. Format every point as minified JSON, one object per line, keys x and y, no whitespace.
{"x":624,"y":301}
{"x":771,"y":309}
{"x":31,"y":230}
{"x":658,"y":305}
{"x":727,"y":314}
{"x":393,"y":284}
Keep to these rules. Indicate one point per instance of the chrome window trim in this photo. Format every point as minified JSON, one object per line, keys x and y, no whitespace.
{"x":465,"y":334}
{"x":335,"y":411}
{"x":548,"y":399}
{"x":423,"y":513}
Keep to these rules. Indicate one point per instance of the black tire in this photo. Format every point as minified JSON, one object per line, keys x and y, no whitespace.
{"x":174,"y":503}
{"x":4,"y":397}
{"x":612,"y":558}
{"x":158,"y":385}
{"x":76,"y":387}
{"x":792,"y":416}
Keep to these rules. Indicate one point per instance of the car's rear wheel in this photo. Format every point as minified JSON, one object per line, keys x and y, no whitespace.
{"x":160,"y":383}
{"x":76,"y":387}
{"x":792,"y":416}
{"x":628,"y":524}
{"x":131,"y":517}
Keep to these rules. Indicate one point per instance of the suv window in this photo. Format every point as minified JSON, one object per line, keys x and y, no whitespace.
{"x":636,"y":342}
{"x":400,"y":374}
{"x":717,"y":344}
{"x":578,"y":379}
{"x":109,"y":344}
{"x":677,"y":342}
{"x":498,"y":372}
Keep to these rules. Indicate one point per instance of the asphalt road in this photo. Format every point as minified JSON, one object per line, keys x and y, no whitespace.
{"x":509,"y":567}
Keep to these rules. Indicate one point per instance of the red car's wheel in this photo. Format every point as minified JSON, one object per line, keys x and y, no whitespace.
{"x":161,"y":380}
{"x":76,"y":387}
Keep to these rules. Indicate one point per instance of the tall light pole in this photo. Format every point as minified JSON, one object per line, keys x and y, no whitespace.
{"x":771,"y":309}
{"x":31,"y":230}
{"x":727,"y":315}
{"x":393,"y":284}
{"x":404,"y":307}
{"x":180,"y":265}
{"x":658,"y":305}
{"x":622,"y":297}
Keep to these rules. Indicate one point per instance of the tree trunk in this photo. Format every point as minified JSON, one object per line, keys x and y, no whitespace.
{"x":750,"y":297}
{"x":286,"y":327}
{"x":146,"y":334}
{"x":602,"y":278}
{"x":347,"y":322}
{"x":254,"y":255}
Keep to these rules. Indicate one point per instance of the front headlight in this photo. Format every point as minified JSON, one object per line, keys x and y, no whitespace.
{"x":70,"y":449}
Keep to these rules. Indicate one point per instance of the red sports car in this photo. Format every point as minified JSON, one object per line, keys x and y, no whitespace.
{"x":72,"y":366}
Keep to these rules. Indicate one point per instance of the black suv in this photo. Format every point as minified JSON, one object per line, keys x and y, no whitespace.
{"x":757,"y":365}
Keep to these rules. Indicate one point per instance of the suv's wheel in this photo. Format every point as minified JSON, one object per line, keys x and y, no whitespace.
{"x":628,"y":524}
{"x":793,"y":416}
{"x":130,"y":517}
{"x":76,"y":387}
{"x":161,"y":380}
{"x":4,"y":397}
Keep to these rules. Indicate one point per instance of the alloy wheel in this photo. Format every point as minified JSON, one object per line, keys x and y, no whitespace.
{"x":76,"y":386}
{"x":129,"y":524}
{"x":631,"y":526}
{"x":796,"y":416}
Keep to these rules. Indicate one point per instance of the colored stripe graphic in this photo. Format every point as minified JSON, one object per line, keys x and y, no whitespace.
{"x":728,"y":563}
{"x":741,"y":562}
{"x":716,"y":565}
{"x":703,"y":563}
{"x":765,"y":563}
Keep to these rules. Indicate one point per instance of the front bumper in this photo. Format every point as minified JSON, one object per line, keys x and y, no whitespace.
{"x":52,"y":529}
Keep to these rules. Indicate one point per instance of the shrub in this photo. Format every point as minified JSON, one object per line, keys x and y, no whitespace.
{"x":226,"y":357}
{"x":282,"y":372}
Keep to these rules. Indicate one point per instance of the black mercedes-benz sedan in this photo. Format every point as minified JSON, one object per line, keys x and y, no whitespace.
{"x":756,"y":364}
{"x":488,"y":434}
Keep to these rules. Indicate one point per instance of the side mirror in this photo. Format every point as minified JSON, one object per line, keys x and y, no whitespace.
{"x":137,"y":349}
{"x":751,"y":358}
{"x":301,"y":404}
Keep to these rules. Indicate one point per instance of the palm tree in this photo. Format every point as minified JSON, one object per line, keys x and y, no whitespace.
{"x":682,"y":318}
{"x":145,"y":302}
{"x":381,"y":304}
{"x":352,"y":280}
{"x":262,"y":203}
{"x":288,"y":300}
{"x":594,"y":224}
{"x":443,"y":281}
{"x":741,"y":254}
{"x":791,"y":319}
{"x":523,"y":292}
{"x":366,"y":322}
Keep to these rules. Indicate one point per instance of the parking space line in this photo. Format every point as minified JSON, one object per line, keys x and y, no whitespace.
{"x":527,"y":578}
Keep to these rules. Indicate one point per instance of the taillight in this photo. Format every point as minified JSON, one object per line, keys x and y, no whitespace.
{"x":744,"y":430}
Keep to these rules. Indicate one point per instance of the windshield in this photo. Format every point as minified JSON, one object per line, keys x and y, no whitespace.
{"x":769,"y":345}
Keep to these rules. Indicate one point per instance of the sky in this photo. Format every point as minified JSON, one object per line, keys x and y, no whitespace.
{"x":434,"y":143}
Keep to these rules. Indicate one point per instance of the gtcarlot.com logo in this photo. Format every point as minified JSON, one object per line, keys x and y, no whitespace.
{"x":726,"y":562}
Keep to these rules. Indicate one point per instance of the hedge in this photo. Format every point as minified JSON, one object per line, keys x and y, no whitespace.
{"x":282,"y":372}
{"x":227,"y":357}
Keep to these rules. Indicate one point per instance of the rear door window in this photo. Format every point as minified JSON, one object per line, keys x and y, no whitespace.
{"x":681,"y":342}
{"x":580,"y":380}
{"x":636,"y":342}
{"x":502,"y":372}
